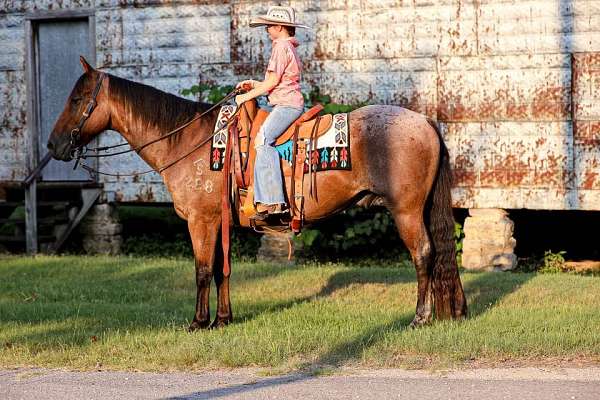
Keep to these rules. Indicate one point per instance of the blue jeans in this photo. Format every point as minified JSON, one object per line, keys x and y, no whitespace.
{"x":268,"y":183}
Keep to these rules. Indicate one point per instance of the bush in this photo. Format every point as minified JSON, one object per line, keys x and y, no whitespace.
{"x":207,"y":93}
{"x":169,"y":234}
{"x":178,"y":245}
{"x":553,"y":262}
{"x":549,"y":263}
{"x":354,"y":233}
{"x":315,"y":96}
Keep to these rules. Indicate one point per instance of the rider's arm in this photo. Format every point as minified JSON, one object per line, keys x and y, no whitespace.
{"x":258,"y":87}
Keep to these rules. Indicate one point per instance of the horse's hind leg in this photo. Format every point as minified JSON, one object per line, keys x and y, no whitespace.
{"x":414,"y":234}
{"x":204,"y":239}
{"x":224,"y":315}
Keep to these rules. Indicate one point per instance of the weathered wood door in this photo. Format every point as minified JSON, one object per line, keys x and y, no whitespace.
{"x":58,"y":45}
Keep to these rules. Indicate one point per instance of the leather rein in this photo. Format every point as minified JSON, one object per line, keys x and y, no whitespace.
{"x":80,"y":151}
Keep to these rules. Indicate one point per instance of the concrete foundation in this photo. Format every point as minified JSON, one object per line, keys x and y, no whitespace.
{"x":101,"y":230}
{"x":488,"y":243}
{"x":275,"y":248}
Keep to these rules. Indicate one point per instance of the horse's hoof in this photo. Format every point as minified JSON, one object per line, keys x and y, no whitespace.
{"x":196,"y":325}
{"x":459,"y":317}
{"x":220,"y":323}
{"x":418,"y":322}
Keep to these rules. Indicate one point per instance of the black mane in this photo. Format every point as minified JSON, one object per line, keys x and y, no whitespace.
{"x":160,"y":109}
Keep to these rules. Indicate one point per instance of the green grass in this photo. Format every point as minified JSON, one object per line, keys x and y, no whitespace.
{"x":131,"y":313}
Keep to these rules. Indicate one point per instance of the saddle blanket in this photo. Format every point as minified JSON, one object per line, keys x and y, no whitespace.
{"x":330,"y":150}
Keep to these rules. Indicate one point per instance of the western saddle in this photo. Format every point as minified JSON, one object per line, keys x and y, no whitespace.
{"x":240,"y":156}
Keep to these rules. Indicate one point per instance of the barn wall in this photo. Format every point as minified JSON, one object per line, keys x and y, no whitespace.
{"x":514,"y":83}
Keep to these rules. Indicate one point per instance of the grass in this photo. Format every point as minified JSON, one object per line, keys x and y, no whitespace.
{"x":131,"y":313}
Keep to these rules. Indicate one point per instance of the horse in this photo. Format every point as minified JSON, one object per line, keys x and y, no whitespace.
{"x":399,"y":160}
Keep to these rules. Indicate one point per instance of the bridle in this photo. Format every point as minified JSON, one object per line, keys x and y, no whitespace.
{"x":80,"y":151}
{"x":77,"y":149}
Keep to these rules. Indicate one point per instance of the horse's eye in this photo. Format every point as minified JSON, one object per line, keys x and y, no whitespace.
{"x":75,"y":99}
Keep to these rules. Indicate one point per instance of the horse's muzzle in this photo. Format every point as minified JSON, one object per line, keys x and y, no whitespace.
{"x":60,"y":151}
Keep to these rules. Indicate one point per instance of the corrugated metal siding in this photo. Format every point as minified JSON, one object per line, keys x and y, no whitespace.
{"x":514,"y":83}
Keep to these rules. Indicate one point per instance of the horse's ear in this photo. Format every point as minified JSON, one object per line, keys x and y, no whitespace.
{"x":86,"y":66}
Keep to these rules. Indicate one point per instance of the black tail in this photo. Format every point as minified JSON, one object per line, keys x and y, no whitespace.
{"x":449,"y":298}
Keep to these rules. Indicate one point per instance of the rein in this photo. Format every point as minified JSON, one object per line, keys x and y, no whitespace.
{"x":80,"y":151}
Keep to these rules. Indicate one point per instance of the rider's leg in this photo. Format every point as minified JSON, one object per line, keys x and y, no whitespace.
{"x":268,"y":183}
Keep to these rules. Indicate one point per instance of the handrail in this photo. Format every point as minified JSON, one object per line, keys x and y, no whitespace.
{"x":38,"y":170}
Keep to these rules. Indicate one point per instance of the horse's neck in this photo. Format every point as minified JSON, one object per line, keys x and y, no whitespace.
{"x":138,"y":132}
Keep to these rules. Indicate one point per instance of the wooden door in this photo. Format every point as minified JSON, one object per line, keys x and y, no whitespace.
{"x":58,"y":45}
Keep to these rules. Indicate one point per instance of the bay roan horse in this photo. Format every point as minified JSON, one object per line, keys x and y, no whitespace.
{"x":398,"y":159}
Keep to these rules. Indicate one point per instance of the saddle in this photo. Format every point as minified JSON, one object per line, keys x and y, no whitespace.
{"x":241,"y":164}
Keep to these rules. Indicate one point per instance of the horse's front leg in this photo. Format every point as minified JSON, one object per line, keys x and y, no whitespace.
{"x":204,"y":238}
{"x":224,"y":315}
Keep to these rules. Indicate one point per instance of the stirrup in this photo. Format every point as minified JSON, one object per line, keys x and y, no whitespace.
{"x":260,"y":216}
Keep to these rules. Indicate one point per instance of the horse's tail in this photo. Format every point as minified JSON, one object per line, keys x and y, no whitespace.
{"x":449,"y":298}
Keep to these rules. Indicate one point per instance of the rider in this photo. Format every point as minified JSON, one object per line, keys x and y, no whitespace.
{"x":282,"y":84}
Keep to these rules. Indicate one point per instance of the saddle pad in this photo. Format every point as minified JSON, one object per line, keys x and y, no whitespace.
{"x":331,"y":150}
{"x":219,"y":142}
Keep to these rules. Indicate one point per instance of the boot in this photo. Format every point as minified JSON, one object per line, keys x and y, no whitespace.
{"x":264,"y":210}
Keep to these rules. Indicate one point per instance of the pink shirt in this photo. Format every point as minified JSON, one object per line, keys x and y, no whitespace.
{"x":284,"y":62}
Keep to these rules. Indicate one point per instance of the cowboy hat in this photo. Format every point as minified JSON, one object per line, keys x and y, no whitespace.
{"x":277,"y":15}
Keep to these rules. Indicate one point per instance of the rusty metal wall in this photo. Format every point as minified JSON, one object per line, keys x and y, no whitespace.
{"x":514,"y":83}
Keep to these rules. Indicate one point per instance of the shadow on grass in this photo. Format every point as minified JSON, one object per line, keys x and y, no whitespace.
{"x":341,"y":353}
{"x":101,"y":295}
{"x":99,"y":298}
{"x":338,"y":281}
{"x":483,"y":290}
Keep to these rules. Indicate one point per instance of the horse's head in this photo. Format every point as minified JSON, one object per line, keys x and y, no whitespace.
{"x":85,"y":115}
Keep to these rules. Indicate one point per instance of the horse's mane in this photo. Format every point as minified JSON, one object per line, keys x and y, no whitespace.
{"x":153,"y":106}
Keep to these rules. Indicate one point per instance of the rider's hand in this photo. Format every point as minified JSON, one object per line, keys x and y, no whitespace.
{"x":246,"y":85}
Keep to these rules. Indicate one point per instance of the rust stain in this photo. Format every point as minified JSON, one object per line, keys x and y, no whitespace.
{"x":517,"y":110}
{"x":587,"y":134}
{"x":551,"y":103}
{"x":507,"y":170}
{"x":451,"y":108}
{"x":493,"y":107}
{"x":546,"y":103}
{"x":589,"y":181}
{"x":586,"y":62}
{"x":248,"y":69}
{"x":463,"y":161}
{"x":236,"y":43}
{"x":145,"y":195}
{"x":464,"y":178}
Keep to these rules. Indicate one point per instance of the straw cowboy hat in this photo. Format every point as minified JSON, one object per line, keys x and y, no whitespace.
{"x":277,"y":15}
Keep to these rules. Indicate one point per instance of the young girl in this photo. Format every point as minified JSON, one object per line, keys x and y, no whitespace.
{"x":282,"y":84}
